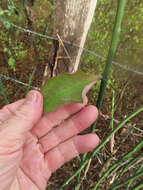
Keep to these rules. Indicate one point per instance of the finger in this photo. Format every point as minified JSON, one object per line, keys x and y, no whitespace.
{"x":85,"y":100}
{"x":52,"y":119}
{"x":8,"y":110}
{"x":69,"y":128}
{"x":22,"y":120}
{"x":66,"y":151}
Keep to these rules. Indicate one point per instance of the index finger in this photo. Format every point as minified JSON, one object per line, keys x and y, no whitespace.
{"x":51,"y":119}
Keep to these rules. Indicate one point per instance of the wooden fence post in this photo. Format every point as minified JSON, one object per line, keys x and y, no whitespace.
{"x":72,"y":21}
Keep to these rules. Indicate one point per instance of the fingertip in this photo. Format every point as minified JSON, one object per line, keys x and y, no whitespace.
{"x":86,"y":143}
{"x":94,"y":139}
{"x":93,"y":111}
{"x":34,"y":96}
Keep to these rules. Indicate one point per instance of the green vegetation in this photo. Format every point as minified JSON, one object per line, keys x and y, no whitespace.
{"x":129,"y":50}
{"x":136,"y":148}
{"x":66,"y":88}
{"x":23,"y":56}
{"x":3,"y":92}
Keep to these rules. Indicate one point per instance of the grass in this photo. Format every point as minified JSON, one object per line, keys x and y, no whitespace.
{"x":27,"y":54}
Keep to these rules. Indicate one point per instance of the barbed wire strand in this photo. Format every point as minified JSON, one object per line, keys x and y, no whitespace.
{"x":17,"y":81}
{"x":127,"y":68}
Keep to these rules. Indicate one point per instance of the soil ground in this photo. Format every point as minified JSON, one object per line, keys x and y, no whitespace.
{"x":125,"y":139}
{"x":128,"y":97}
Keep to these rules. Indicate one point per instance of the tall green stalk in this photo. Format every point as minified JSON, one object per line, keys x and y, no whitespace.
{"x":111,"y":53}
{"x":119,"y":126}
{"x":30,"y":81}
{"x":3,"y":92}
{"x":110,"y":57}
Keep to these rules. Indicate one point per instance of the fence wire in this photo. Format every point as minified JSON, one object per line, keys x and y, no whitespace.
{"x":17,"y":81}
{"x":125,"y":67}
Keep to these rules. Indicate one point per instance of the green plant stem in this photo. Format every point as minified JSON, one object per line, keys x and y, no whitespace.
{"x":78,"y":181}
{"x":44,"y":33}
{"x":131,"y":181}
{"x":138,"y":186}
{"x":11,"y":3}
{"x":111,"y":54}
{"x":122,"y":123}
{"x":30,"y":81}
{"x":127,"y":180}
{"x":110,"y":57}
{"x":116,"y":164}
{"x":3,"y":92}
{"x":112,"y":141}
{"x":132,"y":161}
{"x":112,"y":112}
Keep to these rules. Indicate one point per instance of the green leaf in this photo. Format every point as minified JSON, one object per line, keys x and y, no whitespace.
{"x":67,"y":88}
{"x":11,"y":63}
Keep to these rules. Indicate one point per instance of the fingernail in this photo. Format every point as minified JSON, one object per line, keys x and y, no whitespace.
{"x":32,"y":97}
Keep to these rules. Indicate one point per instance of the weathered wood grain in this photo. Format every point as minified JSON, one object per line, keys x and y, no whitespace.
{"x":72,"y":21}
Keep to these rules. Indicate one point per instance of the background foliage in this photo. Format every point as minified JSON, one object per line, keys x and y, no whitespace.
{"x":23,"y":55}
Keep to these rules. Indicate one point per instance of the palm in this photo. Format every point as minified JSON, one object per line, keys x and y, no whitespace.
{"x":47,"y":146}
{"x":33,"y":170}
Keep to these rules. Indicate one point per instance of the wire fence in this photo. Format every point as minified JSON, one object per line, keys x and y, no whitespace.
{"x":117,"y":64}
{"x":17,"y":81}
{"x":124,"y":67}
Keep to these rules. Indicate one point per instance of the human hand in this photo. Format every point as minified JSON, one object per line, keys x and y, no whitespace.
{"x":32,"y":146}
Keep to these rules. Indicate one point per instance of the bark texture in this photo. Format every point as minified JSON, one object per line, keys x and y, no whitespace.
{"x":72,"y":21}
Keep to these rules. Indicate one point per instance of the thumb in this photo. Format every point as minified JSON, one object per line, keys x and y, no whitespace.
{"x":13,"y":133}
{"x":25,"y":117}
